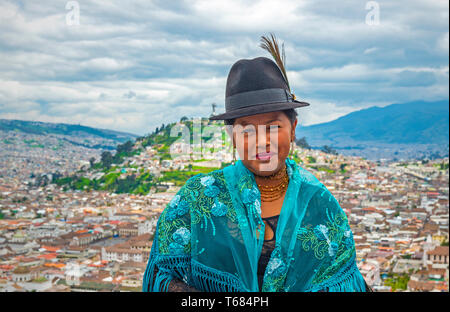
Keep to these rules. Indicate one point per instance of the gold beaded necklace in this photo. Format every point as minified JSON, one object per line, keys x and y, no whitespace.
{"x":270,"y":193}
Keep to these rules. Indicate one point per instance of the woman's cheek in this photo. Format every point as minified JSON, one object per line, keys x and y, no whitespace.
{"x":283,"y":143}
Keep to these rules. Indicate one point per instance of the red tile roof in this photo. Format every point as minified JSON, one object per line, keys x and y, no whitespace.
{"x":47,"y":256}
{"x":50,"y":248}
{"x":439,"y":250}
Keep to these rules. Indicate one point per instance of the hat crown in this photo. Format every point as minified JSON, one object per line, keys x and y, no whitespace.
{"x":254,"y":74}
{"x":256,"y":86}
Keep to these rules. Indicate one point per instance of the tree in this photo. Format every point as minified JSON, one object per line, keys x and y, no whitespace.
{"x":92,"y":161}
{"x":42,"y":180}
{"x":125,"y":147}
{"x":302,"y":143}
{"x":329,"y":150}
{"x":126,"y":185}
{"x":311,"y":159}
{"x":56,"y":176}
{"x":106,"y":159}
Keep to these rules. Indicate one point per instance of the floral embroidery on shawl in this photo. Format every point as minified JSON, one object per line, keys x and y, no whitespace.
{"x":206,"y":199}
{"x":324,"y":239}
{"x":276,"y":271}
{"x":201,"y":195}
{"x":330,"y":241}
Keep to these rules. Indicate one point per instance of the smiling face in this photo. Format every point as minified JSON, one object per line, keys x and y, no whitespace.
{"x":263,"y":141}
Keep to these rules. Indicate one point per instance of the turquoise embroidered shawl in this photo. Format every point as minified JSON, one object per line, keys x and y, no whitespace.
{"x":211,"y":233}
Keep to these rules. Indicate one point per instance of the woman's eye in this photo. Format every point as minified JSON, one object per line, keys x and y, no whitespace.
{"x":249,"y":131}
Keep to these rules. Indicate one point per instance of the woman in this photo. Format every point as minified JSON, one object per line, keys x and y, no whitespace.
{"x":262,"y":223}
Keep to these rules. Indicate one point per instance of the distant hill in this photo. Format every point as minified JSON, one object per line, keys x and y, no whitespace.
{"x":126,"y":172}
{"x":93,"y":138}
{"x":37,"y":127}
{"x":421,"y":126}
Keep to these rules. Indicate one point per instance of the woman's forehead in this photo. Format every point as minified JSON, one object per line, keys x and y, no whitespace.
{"x":265,"y":118}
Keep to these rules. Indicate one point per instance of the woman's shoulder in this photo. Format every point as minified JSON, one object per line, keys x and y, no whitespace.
{"x":310,"y":181}
{"x":307,"y":177}
{"x":321,"y":195}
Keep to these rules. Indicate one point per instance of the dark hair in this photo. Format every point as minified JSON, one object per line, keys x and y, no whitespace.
{"x":290,"y":113}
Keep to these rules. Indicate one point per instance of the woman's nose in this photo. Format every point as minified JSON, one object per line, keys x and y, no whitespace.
{"x":264,"y":140}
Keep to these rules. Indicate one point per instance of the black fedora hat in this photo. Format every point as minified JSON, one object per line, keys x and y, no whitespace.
{"x":256,"y":86}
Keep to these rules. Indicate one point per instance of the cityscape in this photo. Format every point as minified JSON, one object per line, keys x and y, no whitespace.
{"x":55,"y":239}
{"x":92,"y":94}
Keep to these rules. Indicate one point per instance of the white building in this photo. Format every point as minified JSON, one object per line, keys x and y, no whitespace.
{"x":123,"y":254}
{"x":147,"y":226}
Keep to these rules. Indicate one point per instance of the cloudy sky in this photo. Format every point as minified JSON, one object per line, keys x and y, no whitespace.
{"x":130,"y":66}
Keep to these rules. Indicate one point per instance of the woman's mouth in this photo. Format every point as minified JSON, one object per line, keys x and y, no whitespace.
{"x":264,"y":156}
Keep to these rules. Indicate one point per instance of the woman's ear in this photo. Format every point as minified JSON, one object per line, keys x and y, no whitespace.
{"x":231,"y":134}
{"x":294,"y":126}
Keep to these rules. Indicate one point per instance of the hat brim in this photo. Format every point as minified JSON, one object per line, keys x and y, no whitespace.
{"x":258,"y":109}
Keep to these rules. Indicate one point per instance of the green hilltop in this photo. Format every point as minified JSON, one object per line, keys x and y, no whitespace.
{"x":117,"y":173}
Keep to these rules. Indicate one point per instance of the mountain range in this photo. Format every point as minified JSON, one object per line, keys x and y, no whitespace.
{"x":415,"y":128}
{"x":75,"y":134}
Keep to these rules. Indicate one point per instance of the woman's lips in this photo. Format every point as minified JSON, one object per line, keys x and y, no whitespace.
{"x":264,"y":156}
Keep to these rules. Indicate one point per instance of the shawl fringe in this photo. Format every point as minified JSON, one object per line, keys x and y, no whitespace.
{"x":212,"y":280}
{"x":352,"y":283}
{"x":348,"y":279}
{"x":168,"y":268}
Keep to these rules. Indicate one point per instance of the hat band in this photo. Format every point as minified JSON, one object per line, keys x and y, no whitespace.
{"x":250,"y":98}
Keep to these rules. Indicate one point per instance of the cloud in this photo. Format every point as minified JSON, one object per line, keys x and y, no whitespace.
{"x":408,"y":78}
{"x":134,"y":66}
{"x":442,"y":44}
{"x":129,"y":95}
{"x":370,"y":50}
